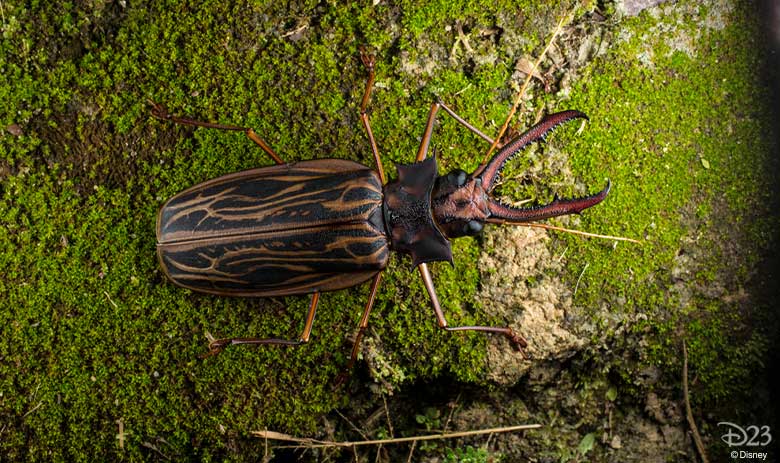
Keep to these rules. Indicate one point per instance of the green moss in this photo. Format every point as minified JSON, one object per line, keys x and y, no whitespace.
{"x":650,"y":129}
{"x":93,"y":334}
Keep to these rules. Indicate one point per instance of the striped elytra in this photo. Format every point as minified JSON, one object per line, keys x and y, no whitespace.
{"x":272,"y":231}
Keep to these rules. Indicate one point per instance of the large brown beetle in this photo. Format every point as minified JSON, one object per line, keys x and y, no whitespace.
{"x":323,"y":225}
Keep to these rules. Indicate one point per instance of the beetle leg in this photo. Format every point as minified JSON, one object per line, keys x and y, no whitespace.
{"x":518,"y":342}
{"x":422,"y":152}
{"x":342,"y":377}
{"x":216,"y":346}
{"x":364,"y":320}
{"x":160,"y":112}
{"x":369,"y":61}
{"x":464,"y":123}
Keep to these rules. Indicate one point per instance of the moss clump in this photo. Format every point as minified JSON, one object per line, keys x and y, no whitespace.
{"x":93,"y":336}
{"x":681,"y":135}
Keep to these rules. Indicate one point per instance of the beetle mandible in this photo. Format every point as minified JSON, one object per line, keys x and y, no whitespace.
{"x":323,"y":225}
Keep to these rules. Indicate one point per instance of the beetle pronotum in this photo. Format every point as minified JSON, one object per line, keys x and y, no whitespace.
{"x":322,"y":225}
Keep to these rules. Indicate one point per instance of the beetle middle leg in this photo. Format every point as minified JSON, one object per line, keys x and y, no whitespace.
{"x":517,"y":340}
{"x":216,"y":346}
{"x":160,"y":112}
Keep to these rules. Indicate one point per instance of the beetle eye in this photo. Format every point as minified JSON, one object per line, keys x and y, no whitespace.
{"x":473,"y":227}
{"x":457,"y":177}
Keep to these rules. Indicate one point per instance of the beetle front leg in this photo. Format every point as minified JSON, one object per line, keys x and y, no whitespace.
{"x":216,"y":346}
{"x":518,"y":342}
{"x":422,"y":152}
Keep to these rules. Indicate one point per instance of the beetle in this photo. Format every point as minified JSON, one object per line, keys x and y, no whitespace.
{"x":322,"y":225}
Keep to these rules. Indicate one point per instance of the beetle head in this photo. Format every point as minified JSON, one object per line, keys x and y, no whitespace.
{"x":462,"y":203}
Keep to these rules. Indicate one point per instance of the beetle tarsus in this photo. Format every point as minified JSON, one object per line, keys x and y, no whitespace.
{"x":159,"y":111}
{"x":518,"y":343}
{"x":216,"y":347}
{"x":368,"y":59}
{"x":341,"y":380}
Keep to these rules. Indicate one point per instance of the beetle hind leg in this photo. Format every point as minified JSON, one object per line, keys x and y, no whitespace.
{"x":160,"y":112}
{"x":364,"y":320}
{"x":216,"y":346}
{"x":342,"y":377}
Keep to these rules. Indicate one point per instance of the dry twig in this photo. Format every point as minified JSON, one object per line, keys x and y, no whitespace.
{"x":688,"y":413}
{"x":565,"y":19}
{"x":581,"y":233}
{"x":305,"y":442}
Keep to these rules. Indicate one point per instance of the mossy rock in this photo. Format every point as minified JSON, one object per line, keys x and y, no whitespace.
{"x":100,"y":356}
